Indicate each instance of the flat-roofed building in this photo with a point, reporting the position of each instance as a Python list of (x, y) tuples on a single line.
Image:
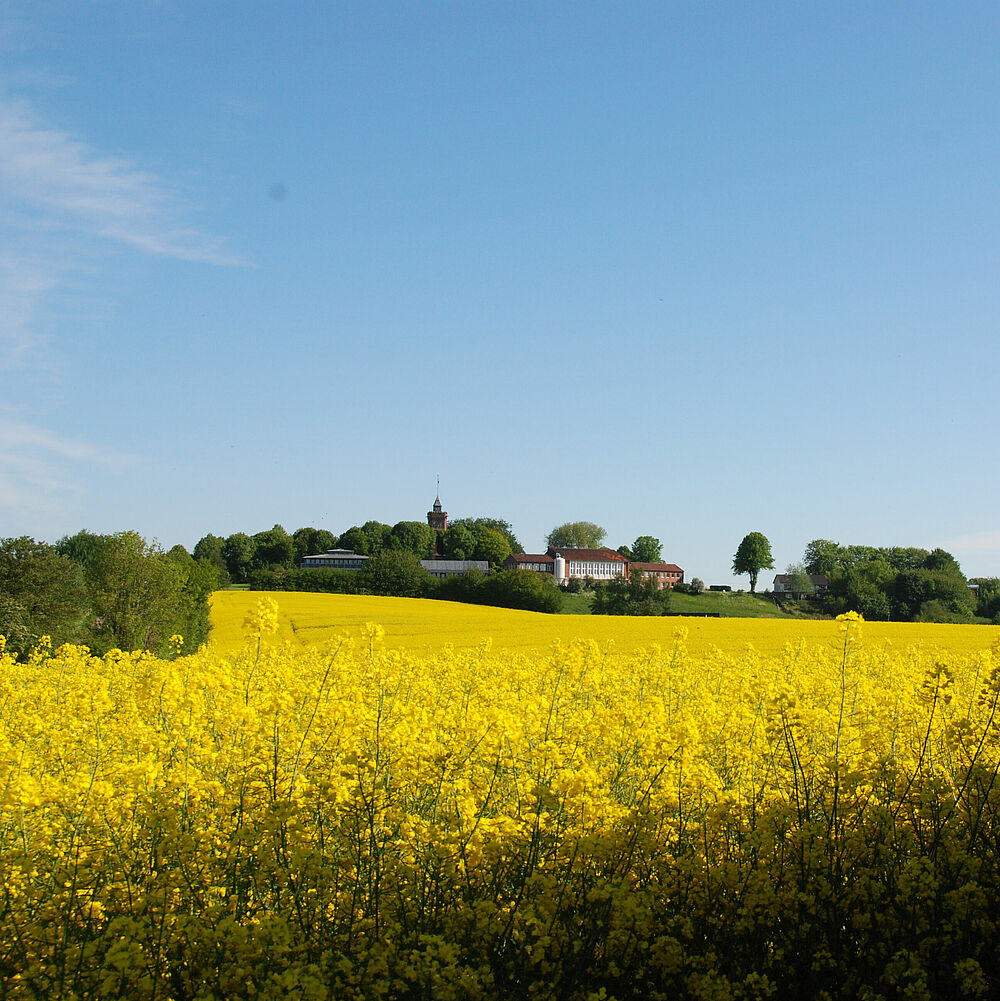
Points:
[(449, 568), (334, 559)]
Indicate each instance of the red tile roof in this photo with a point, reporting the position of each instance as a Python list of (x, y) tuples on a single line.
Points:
[(663, 567), (530, 558)]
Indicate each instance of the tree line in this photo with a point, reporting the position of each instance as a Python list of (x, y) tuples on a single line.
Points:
[(270, 561), (104, 591), (121, 591), (897, 583), (241, 558), (902, 584)]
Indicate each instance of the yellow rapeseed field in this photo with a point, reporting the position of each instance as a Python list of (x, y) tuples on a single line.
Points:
[(422, 625), (413, 812)]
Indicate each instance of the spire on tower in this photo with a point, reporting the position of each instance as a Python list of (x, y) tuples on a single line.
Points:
[(437, 518)]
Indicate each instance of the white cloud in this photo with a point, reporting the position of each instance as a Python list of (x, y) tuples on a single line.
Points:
[(974, 542), (37, 466), (59, 198), (23, 282), (71, 185)]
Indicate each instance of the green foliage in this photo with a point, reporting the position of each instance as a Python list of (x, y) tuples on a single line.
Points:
[(833, 560), (238, 551), (799, 582), (81, 548), (326, 580), (458, 542), (522, 589), (395, 572), (697, 585), (416, 537), (506, 589), (931, 596), (137, 594), (727, 605), (466, 587), (140, 596), (377, 533), (492, 546), (201, 580), (477, 539), (576, 535), (355, 540), (273, 548), (647, 549), (42, 593), (867, 597), (752, 556), (905, 584), (988, 597), (210, 548), (636, 596), (179, 555), (478, 525), (310, 542)]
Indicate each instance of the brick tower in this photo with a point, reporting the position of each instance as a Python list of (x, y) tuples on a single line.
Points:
[(436, 518)]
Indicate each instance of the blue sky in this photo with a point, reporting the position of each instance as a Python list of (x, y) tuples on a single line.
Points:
[(687, 270)]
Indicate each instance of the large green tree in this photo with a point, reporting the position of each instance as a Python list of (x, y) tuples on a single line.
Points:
[(209, 548), (137, 593), (415, 537), (273, 549), (367, 539), (647, 549), (752, 556), (311, 541), (576, 535), (479, 525), (354, 540), (395, 572), (42, 593), (458, 542), (81, 548), (238, 552), (491, 546)]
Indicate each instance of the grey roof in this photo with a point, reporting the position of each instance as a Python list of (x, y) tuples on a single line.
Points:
[(454, 566), (335, 554)]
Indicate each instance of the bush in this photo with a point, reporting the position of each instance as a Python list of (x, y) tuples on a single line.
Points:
[(636, 596), (395, 572), (525, 589), (321, 579)]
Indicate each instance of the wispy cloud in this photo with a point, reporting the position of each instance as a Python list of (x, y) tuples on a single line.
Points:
[(974, 542), (74, 186), (23, 282), (37, 466)]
